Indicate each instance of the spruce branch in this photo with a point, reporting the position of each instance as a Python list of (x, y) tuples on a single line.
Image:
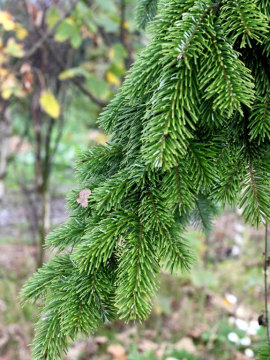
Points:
[(224, 77), (264, 351), (186, 134), (136, 286), (192, 33), (255, 196), (259, 123), (245, 22), (145, 12)]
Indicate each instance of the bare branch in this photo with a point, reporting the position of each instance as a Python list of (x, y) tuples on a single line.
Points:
[(46, 35), (75, 81), (123, 34)]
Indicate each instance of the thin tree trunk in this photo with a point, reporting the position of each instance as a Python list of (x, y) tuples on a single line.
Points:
[(124, 35), (44, 225), (5, 133), (38, 144)]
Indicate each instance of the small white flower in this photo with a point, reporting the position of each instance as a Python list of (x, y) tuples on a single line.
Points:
[(249, 353), (241, 324), (231, 320), (236, 250), (246, 341), (253, 328), (240, 312), (239, 227), (233, 337), (238, 239), (232, 299)]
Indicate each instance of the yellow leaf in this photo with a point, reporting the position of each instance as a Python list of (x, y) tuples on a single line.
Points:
[(126, 25), (158, 310), (70, 21), (72, 72), (6, 21), (113, 79), (8, 86), (49, 104), (111, 53), (21, 32), (14, 49), (69, 73), (3, 72), (6, 94), (66, 74), (52, 16), (226, 303)]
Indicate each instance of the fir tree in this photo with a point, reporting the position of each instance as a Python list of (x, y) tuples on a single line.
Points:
[(190, 129)]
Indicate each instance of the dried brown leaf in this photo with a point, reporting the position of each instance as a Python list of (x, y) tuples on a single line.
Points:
[(117, 351), (186, 344), (83, 196)]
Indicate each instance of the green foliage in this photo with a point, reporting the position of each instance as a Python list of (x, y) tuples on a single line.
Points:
[(146, 11), (181, 355), (204, 212), (75, 303), (185, 134), (244, 21), (137, 271), (136, 355), (260, 121), (264, 352), (226, 80), (68, 31)]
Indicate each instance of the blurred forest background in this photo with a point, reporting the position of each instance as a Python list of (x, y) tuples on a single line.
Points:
[(61, 62)]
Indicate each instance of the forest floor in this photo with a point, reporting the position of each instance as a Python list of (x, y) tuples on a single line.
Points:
[(210, 313)]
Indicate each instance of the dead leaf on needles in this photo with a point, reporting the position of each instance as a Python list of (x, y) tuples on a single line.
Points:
[(83, 196)]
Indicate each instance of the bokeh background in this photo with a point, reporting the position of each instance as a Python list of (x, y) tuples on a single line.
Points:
[(61, 62)]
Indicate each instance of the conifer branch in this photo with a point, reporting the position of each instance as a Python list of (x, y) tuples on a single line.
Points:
[(135, 286), (259, 122), (178, 184), (186, 134), (192, 34), (145, 12), (244, 19)]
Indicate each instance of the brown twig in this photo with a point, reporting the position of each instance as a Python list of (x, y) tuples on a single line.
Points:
[(75, 81), (46, 35), (105, 36), (123, 34)]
